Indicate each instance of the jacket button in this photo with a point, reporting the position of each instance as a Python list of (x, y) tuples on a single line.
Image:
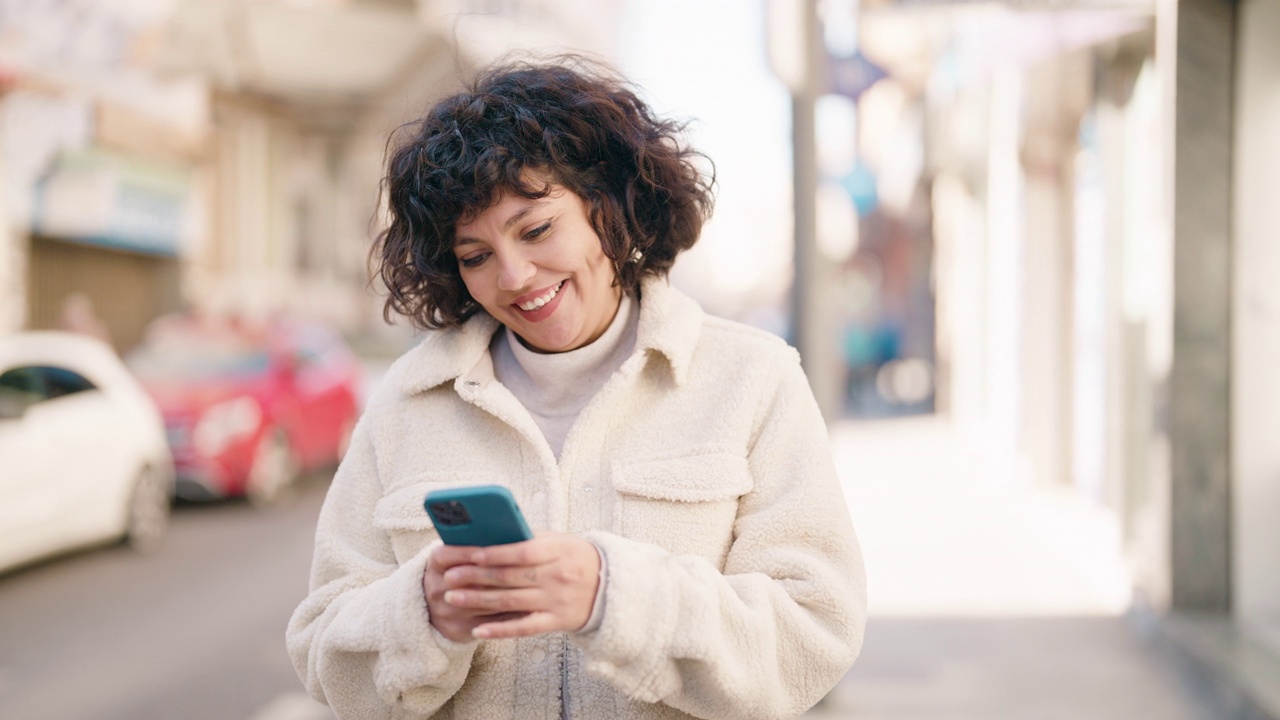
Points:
[(472, 384), (538, 655)]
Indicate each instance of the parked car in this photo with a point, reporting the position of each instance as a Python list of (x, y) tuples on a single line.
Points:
[(249, 410), (83, 457)]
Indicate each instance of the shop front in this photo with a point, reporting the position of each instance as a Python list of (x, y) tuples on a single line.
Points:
[(107, 237)]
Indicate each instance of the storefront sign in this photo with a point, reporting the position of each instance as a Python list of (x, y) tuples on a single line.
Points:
[(104, 199)]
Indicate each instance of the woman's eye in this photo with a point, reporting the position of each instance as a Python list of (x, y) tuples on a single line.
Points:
[(538, 231), (472, 260)]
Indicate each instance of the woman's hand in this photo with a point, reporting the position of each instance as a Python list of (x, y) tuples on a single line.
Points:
[(538, 586)]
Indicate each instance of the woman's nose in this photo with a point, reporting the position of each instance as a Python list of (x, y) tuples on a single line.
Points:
[(515, 272)]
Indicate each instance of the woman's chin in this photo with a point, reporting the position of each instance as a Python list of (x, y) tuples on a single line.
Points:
[(546, 342)]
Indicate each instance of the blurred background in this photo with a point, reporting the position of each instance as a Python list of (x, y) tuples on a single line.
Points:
[(1026, 249)]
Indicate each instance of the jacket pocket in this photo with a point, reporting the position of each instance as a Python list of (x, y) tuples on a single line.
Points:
[(401, 515), (685, 504)]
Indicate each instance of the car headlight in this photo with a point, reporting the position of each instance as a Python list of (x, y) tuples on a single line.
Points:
[(225, 423)]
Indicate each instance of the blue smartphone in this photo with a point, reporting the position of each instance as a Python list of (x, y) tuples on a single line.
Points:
[(478, 515)]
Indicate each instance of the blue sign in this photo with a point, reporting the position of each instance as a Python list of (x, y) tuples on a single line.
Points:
[(100, 198)]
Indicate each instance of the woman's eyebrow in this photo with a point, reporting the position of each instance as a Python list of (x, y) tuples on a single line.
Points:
[(505, 226), (519, 216)]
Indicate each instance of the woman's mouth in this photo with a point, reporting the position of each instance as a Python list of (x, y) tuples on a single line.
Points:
[(542, 299)]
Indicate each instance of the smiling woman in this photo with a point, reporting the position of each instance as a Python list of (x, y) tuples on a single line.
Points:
[(538, 267), (525, 131), (692, 553)]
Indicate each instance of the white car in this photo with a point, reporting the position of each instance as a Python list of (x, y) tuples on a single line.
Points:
[(83, 454)]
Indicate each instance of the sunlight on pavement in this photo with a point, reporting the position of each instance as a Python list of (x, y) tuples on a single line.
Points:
[(990, 596), (946, 531)]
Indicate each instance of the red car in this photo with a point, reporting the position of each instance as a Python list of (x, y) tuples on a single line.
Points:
[(247, 412)]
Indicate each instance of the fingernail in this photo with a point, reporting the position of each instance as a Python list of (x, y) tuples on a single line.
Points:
[(481, 632), (452, 596)]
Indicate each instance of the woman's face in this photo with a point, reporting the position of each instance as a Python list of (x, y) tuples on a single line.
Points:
[(538, 267)]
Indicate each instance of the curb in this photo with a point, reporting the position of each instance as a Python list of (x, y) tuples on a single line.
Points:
[(1232, 672)]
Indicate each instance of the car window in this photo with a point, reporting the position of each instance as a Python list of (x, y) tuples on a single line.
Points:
[(308, 356), (61, 381), (28, 380), (22, 387), (194, 354), (315, 345)]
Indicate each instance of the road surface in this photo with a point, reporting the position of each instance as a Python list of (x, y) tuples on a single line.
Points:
[(195, 632)]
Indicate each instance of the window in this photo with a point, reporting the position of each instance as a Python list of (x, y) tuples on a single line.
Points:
[(24, 380), (22, 387), (60, 381)]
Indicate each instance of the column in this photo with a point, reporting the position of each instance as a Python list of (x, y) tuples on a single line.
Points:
[(1203, 38)]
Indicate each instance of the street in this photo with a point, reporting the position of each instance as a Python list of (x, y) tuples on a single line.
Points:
[(194, 632), (987, 600)]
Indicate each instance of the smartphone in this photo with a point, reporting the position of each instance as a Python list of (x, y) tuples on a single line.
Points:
[(478, 515)]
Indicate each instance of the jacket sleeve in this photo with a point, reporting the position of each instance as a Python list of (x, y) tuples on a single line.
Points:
[(362, 641), (779, 627)]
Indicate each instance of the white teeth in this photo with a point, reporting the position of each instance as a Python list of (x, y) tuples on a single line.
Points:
[(536, 303)]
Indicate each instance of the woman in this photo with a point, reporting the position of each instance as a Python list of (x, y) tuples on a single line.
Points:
[(693, 556)]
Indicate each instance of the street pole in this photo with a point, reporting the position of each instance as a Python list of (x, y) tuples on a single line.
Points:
[(797, 57), (804, 173), (810, 329)]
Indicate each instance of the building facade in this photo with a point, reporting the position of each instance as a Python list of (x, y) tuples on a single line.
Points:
[(225, 157), (1106, 255), (102, 168)]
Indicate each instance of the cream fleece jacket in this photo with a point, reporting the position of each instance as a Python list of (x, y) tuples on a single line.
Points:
[(701, 470)]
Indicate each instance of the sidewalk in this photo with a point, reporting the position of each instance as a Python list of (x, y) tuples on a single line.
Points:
[(990, 599)]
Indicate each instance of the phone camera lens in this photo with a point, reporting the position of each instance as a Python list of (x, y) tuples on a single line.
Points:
[(451, 513)]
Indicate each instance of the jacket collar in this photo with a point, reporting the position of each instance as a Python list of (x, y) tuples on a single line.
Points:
[(670, 323)]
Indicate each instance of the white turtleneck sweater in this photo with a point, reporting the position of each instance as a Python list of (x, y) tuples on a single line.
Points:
[(555, 387)]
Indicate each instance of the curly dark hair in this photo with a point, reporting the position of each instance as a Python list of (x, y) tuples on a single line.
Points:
[(521, 127)]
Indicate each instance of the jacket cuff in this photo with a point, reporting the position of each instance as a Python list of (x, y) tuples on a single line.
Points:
[(624, 650), (421, 652)]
